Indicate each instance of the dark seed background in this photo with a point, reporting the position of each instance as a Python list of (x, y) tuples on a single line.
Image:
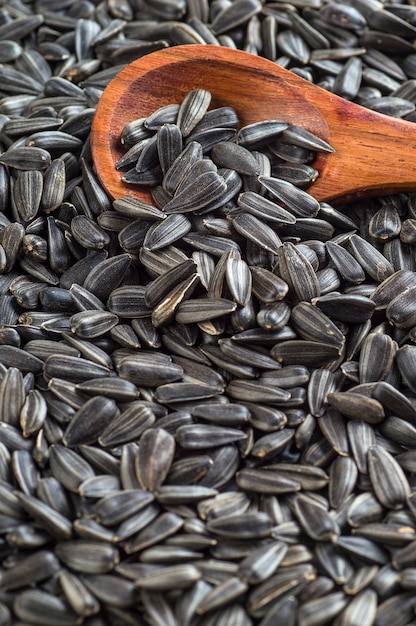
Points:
[(168, 459)]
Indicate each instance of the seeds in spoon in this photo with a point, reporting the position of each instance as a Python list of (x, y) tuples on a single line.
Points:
[(213, 152)]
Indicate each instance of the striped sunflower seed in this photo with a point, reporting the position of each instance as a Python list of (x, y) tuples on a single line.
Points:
[(388, 479), (154, 458), (91, 324), (87, 557), (40, 565), (297, 272), (263, 208), (297, 200), (82, 428), (252, 228), (372, 261), (42, 607), (115, 508), (82, 602), (192, 110)]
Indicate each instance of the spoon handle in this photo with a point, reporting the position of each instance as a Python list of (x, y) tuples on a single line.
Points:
[(374, 153)]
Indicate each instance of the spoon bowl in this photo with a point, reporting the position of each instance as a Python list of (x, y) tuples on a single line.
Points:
[(374, 154)]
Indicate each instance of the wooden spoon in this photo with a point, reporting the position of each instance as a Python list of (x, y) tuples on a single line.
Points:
[(374, 154)]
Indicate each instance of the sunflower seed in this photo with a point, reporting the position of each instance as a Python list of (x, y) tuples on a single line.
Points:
[(393, 490), (372, 261), (148, 372), (43, 607), (69, 467), (87, 557), (208, 188), (265, 595), (77, 595), (326, 608), (252, 228), (297, 272), (36, 567), (151, 470), (53, 521), (82, 428), (166, 232)]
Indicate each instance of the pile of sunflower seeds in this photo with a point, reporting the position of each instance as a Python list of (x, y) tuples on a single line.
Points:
[(207, 418)]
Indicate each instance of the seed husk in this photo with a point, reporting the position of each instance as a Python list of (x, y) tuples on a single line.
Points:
[(400, 311), (239, 279), (404, 358), (311, 613), (54, 522), (222, 595), (164, 526), (264, 596), (264, 209), (114, 508), (298, 201), (41, 607), (192, 110), (129, 425), (300, 137), (250, 226), (352, 405), (314, 519), (69, 467), (343, 477), (106, 276), (297, 272), (154, 458), (268, 287), (26, 158), (263, 481), (166, 232), (89, 421), (202, 310), (388, 479), (311, 324), (77, 595), (314, 353), (207, 436), (236, 157), (310, 478), (147, 371), (372, 261), (262, 563), (208, 188), (258, 133), (90, 324), (87, 557), (349, 308), (36, 567)]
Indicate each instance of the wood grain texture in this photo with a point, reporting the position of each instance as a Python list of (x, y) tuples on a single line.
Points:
[(375, 154)]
